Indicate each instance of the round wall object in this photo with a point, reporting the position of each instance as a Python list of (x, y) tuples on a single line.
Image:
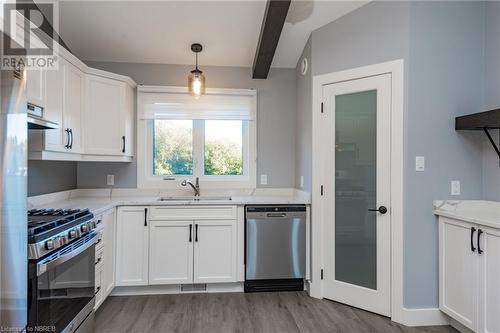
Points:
[(303, 66)]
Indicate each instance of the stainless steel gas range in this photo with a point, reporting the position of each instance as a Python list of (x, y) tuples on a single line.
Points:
[(61, 270)]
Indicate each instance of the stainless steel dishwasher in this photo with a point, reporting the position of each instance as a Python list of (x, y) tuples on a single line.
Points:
[(275, 248)]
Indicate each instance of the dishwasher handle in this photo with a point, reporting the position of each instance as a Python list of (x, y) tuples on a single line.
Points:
[(276, 214)]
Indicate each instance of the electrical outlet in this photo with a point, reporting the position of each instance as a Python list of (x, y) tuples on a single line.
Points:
[(419, 163), (455, 187), (301, 181), (263, 179), (110, 180)]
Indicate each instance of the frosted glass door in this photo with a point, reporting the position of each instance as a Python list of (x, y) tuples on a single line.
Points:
[(356, 188), (356, 149)]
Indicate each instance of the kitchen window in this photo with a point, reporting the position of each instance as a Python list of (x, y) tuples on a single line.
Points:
[(180, 137)]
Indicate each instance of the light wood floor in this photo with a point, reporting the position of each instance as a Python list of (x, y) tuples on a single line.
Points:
[(239, 312)]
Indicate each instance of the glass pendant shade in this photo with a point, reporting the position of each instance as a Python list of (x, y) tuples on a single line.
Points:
[(196, 83)]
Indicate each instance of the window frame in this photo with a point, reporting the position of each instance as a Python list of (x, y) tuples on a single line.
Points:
[(145, 177)]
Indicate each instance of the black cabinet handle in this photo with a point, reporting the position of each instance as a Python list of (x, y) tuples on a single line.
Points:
[(71, 137), (472, 231), (67, 138), (123, 149), (196, 232), (97, 291), (190, 233), (479, 233), (381, 210), (98, 261), (145, 217)]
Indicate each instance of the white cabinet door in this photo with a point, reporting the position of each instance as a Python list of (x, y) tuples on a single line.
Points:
[(109, 252), (74, 82), (215, 251), (171, 252), (55, 139), (102, 117), (458, 271), (489, 285), (99, 292), (35, 86), (132, 246), (127, 116)]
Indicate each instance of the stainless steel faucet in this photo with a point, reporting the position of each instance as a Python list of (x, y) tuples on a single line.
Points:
[(196, 187)]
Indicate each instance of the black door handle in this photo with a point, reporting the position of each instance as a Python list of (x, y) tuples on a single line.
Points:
[(196, 232), (472, 231), (67, 138), (123, 138), (381, 210), (71, 136), (145, 217), (190, 232), (479, 233)]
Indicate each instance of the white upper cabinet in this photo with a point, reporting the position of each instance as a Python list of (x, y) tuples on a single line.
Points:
[(74, 85), (103, 111), (108, 117), (94, 110), (35, 86), (55, 139)]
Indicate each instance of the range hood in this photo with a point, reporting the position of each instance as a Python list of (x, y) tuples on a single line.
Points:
[(36, 120)]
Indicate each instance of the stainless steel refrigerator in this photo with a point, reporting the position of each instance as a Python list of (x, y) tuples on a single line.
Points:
[(13, 196)]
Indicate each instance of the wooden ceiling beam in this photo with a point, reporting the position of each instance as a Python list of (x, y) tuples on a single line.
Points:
[(270, 32)]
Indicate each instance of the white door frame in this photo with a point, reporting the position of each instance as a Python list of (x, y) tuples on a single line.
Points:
[(396, 69)]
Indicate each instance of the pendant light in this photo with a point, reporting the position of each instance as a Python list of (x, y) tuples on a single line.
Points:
[(196, 80)]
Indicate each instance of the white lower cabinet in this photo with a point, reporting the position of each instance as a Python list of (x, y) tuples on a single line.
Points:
[(171, 252), (109, 222), (215, 251), (489, 282), (469, 274), (160, 246), (132, 246)]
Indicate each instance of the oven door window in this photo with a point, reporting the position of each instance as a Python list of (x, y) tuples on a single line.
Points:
[(64, 290)]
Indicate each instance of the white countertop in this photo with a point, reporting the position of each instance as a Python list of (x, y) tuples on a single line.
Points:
[(99, 201), (481, 212)]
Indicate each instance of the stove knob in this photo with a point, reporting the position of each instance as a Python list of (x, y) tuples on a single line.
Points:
[(84, 228), (94, 225), (72, 234), (49, 245)]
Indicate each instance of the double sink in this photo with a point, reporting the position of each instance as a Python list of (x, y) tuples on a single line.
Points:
[(200, 198)]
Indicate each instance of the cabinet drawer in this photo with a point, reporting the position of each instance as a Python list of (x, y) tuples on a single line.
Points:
[(99, 243), (99, 292), (193, 213), (99, 258)]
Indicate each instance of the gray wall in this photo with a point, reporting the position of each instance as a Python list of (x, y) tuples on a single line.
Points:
[(50, 176), (303, 145), (445, 81), (491, 169), (276, 119), (442, 44)]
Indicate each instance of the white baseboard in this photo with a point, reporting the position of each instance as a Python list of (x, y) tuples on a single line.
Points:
[(176, 289), (424, 317)]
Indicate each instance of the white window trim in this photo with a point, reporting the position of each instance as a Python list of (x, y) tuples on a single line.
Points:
[(144, 152)]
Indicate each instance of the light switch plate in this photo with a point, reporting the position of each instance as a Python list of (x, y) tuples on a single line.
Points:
[(419, 163), (455, 187), (301, 181), (263, 179), (110, 180)]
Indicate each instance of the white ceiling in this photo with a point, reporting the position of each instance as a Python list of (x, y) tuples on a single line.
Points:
[(162, 31)]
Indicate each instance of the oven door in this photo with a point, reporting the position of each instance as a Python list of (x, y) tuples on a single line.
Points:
[(61, 286)]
